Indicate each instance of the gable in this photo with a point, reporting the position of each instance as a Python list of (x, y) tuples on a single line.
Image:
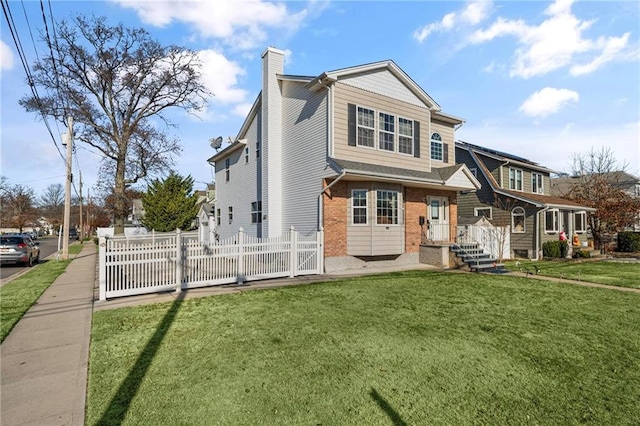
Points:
[(384, 83)]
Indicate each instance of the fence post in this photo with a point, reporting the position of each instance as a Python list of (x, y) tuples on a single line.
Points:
[(293, 257), (240, 273), (178, 261), (320, 248), (102, 267)]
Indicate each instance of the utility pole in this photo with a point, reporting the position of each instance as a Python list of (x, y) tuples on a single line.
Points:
[(81, 227), (67, 192), (88, 209)]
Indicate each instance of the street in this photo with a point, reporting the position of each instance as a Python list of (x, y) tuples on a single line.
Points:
[(48, 246)]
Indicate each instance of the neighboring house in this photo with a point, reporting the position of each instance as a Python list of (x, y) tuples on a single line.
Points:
[(630, 184), (516, 192), (363, 153), (137, 211), (206, 222)]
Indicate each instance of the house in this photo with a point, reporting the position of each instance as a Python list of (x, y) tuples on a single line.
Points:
[(206, 222), (626, 182), (516, 192), (362, 153)]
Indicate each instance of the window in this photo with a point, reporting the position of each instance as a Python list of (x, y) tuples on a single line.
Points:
[(482, 211), (366, 127), (405, 136), (474, 172), (218, 217), (246, 155), (515, 179), (386, 207), (258, 148), (581, 222), (256, 212), (227, 164), (230, 214), (359, 207), (436, 147), (537, 183), (387, 132), (551, 221), (517, 220)]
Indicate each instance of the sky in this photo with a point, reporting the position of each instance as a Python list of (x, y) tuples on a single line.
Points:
[(543, 80)]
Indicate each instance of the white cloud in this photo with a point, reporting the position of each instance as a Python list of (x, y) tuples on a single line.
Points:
[(242, 25), (6, 56), (548, 101), (220, 76), (473, 13), (555, 43)]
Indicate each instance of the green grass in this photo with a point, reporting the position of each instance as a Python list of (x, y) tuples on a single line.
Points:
[(406, 348), (610, 272), (17, 296)]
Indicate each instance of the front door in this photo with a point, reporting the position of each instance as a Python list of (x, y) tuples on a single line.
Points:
[(438, 216)]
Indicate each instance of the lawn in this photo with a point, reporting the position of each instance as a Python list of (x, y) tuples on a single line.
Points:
[(17, 296), (406, 348), (610, 272)]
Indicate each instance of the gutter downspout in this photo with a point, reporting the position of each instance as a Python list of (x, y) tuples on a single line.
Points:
[(539, 230)]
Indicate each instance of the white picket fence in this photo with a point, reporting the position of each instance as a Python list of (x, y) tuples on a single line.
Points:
[(179, 260)]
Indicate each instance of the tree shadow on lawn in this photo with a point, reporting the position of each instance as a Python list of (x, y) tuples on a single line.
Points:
[(388, 409), (119, 405)]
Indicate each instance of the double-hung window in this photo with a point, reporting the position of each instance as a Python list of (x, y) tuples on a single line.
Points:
[(387, 207), (218, 217), (515, 179), (359, 207), (386, 132), (246, 155), (366, 127), (256, 212), (258, 148), (537, 183), (580, 220), (551, 224), (230, 214), (227, 164), (405, 136), (436, 147)]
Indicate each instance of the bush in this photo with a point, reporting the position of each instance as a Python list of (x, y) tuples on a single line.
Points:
[(580, 254), (555, 249), (628, 241)]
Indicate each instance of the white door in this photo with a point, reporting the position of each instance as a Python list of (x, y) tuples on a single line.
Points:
[(438, 216)]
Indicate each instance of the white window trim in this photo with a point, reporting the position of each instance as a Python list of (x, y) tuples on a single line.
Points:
[(246, 155), (227, 169), (398, 212), (257, 212), (516, 172), (230, 214), (374, 128), (366, 207), (398, 135), (533, 179), (431, 141), (475, 211), (394, 133), (524, 220), (556, 212), (584, 222)]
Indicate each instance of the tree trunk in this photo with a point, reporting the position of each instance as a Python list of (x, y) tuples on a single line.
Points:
[(118, 190)]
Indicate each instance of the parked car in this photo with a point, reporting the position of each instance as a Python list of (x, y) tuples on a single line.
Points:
[(73, 234), (19, 248)]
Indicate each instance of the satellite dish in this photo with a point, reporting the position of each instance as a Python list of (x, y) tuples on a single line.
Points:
[(216, 143)]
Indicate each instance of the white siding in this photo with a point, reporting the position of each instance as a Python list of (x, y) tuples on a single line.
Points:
[(304, 152), (272, 64), (383, 83), (242, 189)]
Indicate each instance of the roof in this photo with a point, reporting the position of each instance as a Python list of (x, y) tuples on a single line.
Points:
[(437, 177), (502, 156), (207, 208), (538, 200), (620, 179)]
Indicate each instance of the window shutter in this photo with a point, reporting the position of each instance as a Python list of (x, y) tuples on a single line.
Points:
[(445, 152), (416, 139), (351, 138)]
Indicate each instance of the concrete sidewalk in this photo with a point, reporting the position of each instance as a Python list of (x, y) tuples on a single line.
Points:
[(45, 357)]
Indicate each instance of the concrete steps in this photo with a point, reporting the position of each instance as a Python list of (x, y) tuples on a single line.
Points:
[(475, 259)]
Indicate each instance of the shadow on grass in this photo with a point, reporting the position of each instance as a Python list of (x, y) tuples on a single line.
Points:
[(388, 409), (119, 405)]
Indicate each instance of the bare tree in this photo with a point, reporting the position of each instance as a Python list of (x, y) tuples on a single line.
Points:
[(594, 184), (51, 203), (118, 85), (17, 205)]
